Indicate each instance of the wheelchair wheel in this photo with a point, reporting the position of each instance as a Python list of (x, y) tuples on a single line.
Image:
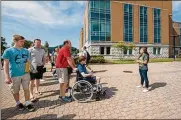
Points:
[(82, 91)]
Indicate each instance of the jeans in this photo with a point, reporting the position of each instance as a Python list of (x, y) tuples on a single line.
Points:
[(144, 77)]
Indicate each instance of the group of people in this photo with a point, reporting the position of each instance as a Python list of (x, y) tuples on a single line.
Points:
[(26, 67)]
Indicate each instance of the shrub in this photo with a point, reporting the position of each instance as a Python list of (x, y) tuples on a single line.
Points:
[(97, 59)]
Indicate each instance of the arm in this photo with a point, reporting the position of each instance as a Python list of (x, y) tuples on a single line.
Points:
[(86, 75), (71, 62), (44, 58), (6, 71)]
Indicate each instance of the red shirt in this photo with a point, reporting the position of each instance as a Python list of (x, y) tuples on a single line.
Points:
[(61, 61)]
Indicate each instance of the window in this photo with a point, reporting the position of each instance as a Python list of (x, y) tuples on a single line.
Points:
[(128, 23), (108, 50), (99, 20), (157, 25), (143, 25), (102, 50), (156, 51), (128, 52)]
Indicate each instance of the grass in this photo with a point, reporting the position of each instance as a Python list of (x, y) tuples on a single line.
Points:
[(134, 62)]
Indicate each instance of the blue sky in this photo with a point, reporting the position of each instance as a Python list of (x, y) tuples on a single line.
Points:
[(52, 21)]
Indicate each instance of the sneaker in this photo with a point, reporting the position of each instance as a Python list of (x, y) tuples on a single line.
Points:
[(139, 86), (42, 80), (145, 90), (30, 107), (20, 107), (65, 99)]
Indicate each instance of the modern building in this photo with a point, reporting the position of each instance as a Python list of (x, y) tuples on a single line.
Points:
[(177, 32), (144, 23)]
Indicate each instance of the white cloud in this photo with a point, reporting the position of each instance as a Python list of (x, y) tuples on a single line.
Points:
[(176, 6), (48, 13)]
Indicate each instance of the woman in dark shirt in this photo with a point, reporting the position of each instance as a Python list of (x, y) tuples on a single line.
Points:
[(143, 68)]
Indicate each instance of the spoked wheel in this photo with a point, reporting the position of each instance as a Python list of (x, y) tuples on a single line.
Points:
[(82, 91)]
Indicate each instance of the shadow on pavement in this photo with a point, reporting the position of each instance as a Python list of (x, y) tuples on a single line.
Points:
[(99, 71), (110, 92), (157, 85), (128, 71), (54, 116), (49, 83), (55, 92), (13, 111)]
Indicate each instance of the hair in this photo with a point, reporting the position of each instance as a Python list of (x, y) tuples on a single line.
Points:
[(66, 42), (37, 40), (17, 38), (82, 58), (85, 47), (145, 52)]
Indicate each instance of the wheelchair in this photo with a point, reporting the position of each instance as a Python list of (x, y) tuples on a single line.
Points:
[(83, 90)]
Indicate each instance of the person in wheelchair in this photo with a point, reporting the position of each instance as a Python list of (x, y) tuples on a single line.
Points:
[(88, 76)]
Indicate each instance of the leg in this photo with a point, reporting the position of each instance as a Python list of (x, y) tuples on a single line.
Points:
[(142, 77), (25, 84), (37, 83), (145, 76), (15, 88), (31, 86)]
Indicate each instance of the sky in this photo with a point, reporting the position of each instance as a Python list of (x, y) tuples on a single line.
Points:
[(52, 21)]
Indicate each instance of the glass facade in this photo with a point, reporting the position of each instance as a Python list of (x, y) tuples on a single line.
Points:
[(99, 20), (128, 23), (143, 24), (157, 25)]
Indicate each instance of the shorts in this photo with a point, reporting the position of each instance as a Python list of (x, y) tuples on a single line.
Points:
[(39, 74), (17, 81), (52, 64), (63, 75), (90, 79)]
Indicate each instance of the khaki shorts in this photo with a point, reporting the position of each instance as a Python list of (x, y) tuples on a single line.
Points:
[(17, 81), (62, 74)]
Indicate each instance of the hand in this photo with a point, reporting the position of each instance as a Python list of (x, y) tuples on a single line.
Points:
[(137, 61), (75, 69), (8, 80)]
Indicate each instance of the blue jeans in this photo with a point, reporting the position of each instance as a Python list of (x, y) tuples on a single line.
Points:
[(144, 77)]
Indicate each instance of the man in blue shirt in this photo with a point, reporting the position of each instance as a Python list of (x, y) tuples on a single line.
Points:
[(16, 71)]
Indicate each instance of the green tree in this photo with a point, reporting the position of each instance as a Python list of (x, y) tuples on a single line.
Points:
[(46, 46), (123, 46), (3, 44), (27, 44)]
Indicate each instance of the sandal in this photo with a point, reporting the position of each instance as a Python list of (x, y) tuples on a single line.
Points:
[(39, 93), (33, 100)]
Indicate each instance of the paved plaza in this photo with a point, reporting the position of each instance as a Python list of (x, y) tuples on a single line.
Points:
[(124, 100)]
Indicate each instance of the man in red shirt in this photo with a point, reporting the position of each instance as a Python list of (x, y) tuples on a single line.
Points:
[(64, 60)]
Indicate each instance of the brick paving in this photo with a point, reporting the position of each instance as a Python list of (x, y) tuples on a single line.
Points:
[(124, 100)]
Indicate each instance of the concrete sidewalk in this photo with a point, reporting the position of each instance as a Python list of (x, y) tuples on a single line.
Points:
[(124, 100)]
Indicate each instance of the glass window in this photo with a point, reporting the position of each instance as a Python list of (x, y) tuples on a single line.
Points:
[(94, 26), (102, 50), (159, 49), (130, 51), (128, 23), (99, 18), (157, 25), (125, 52), (108, 50), (143, 25), (154, 51)]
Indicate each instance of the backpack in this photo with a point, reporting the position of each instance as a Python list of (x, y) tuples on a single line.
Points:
[(88, 56)]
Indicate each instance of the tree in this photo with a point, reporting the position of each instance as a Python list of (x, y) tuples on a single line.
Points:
[(3, 44), (122, 46), (46, 46), (27, 44)]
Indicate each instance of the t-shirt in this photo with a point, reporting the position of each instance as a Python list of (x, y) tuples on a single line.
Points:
[(144, 57), (61, 61), (82, 68), (17, 60), (36, 57)]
